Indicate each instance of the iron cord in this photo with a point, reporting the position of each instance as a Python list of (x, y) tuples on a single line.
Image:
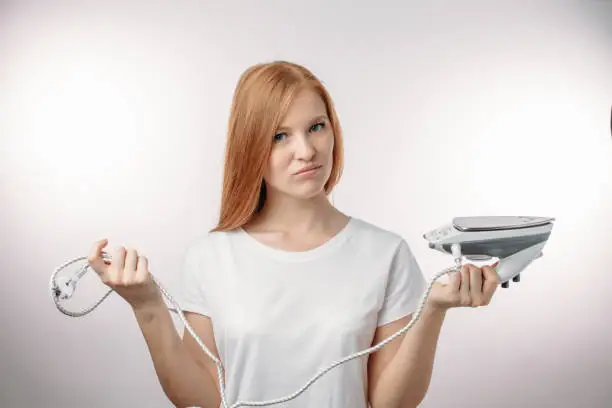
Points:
[(63, 289)]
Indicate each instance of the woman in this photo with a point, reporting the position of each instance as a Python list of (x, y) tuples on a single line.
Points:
[(286, 284)]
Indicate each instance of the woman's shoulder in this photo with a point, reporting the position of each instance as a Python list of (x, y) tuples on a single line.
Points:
[(377, 231), (207, 242)]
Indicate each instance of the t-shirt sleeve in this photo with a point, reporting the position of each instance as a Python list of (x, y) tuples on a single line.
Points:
[(188, 288), (405, 286)]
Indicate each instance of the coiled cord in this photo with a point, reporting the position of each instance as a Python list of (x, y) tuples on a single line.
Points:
[(63, 289)]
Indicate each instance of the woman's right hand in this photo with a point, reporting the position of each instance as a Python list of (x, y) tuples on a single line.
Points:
[(127, 274)]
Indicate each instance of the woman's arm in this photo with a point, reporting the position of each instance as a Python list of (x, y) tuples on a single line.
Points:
[(185, 381), (400, 372)]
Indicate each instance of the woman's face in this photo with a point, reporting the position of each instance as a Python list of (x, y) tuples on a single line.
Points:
[(304, 139)]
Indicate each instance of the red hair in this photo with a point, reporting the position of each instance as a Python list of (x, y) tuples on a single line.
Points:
[(261, 100)]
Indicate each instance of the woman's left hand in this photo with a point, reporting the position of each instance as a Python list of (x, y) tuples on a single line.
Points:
[(471, 287)]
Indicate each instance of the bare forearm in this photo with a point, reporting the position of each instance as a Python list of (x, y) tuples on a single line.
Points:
[(184, 382), (405, 381)]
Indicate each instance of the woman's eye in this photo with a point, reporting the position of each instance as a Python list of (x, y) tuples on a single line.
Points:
[(278, 137), (316, 127)]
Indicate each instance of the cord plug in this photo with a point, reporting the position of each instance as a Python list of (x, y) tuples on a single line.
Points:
[(64, 287)]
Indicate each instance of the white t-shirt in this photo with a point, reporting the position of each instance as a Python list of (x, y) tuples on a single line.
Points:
[(280, 316)]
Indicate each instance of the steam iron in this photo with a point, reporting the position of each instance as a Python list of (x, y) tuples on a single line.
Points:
[(515, 241)]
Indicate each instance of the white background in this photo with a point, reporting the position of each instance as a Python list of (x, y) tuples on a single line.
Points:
[(113, 121)]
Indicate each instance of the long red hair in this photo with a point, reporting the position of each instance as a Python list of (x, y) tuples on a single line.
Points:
[(261, 100)]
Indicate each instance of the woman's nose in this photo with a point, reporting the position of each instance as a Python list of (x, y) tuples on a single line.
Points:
[(304, 148)]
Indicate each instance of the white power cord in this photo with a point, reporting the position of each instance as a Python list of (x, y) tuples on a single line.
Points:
[(63, 289)]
